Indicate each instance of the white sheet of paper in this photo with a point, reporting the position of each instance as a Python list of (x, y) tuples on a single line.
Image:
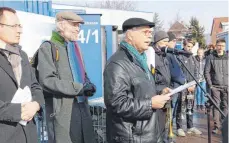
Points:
[(182, 87), (21, 96)]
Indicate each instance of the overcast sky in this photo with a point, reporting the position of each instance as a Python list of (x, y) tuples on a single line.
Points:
[(204, 11)]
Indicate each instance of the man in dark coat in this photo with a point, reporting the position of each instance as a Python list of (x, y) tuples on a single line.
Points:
[(129, 89), (177, 75), (216, 75), (162, 78), (15, 73)]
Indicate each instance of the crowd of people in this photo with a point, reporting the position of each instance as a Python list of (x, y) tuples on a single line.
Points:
[(137, 87)]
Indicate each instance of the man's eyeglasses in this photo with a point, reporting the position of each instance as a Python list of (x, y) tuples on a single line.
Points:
[(12, 26), (146, 32), (74, 24)]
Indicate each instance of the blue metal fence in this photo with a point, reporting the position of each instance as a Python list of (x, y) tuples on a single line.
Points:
[(43, 7)]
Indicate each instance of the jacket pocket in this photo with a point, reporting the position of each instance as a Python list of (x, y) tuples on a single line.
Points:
[(57, 105), (137, 128)]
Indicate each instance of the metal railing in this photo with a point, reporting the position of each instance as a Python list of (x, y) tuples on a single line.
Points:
[(99, 124)]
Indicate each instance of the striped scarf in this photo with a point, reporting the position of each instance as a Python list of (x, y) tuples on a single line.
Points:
[(76, 65)]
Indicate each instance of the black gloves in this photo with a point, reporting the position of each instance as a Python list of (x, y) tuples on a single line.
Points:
[(89, 89)]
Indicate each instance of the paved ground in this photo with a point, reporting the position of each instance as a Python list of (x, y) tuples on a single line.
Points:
[(200, 121)]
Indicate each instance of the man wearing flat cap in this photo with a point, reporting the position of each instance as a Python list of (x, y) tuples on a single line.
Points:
[(66, 86), (129, 89)]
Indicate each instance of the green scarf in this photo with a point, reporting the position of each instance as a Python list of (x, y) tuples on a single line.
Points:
[(57, 38), (141, 58)]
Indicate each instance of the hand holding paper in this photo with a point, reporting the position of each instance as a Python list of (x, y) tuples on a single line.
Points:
[(29, 109), (182, 87), (21, 96)]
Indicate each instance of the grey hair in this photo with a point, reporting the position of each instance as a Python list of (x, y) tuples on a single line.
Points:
[(57, 26), (123, 36)]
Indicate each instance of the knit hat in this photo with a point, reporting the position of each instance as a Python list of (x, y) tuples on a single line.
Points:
[(171, 36), (160, 35)]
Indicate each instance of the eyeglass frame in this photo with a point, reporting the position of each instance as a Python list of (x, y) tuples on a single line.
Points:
[(150, 32), (70, 22), (12, 26)]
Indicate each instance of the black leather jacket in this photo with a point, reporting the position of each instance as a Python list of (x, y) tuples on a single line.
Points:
[(127, 94)]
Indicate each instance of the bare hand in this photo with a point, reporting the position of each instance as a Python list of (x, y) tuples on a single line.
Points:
[(166, 91), (191, 89), (159, 101), (28, 110)]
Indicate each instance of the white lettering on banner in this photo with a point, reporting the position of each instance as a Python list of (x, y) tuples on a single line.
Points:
[(88, 35), (95, 34), (91, 23)]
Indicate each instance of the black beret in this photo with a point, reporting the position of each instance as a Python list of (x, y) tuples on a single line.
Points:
[(136, 22)]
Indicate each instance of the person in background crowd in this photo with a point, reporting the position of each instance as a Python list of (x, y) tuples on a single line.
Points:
[(177, 75), (216, 75), (200, 98), (191, 63), (162, 78), (210, 50)]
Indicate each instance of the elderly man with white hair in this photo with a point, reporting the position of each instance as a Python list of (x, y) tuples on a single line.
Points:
[(66, 86)]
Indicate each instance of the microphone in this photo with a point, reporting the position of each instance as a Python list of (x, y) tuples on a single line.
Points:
[(175, 51)]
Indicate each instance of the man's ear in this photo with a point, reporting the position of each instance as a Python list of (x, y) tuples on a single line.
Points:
[(129, 35), (60, 25)]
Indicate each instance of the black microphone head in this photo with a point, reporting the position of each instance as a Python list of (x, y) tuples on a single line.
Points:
[(164, 49), (183, 52), (175, 51)]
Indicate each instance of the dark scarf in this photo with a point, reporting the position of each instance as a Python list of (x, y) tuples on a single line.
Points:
[(159, 52)]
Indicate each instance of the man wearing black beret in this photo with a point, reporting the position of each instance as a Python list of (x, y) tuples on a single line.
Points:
[(129, 89)]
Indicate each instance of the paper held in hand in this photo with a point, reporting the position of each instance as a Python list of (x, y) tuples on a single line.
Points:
[(21, 96), (182, 87)]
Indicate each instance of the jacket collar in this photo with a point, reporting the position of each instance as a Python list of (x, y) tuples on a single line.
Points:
[(225, 54), (57, 38), (6, 66), (130, 55), (198, 59)]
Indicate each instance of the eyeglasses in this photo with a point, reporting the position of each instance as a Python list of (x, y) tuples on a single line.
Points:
[(220, 45), (12, 26), (146, 32), (74, 24)]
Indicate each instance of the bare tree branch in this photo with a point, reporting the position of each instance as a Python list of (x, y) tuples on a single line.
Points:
[(178, 17), (158, 22), (119, 5)]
